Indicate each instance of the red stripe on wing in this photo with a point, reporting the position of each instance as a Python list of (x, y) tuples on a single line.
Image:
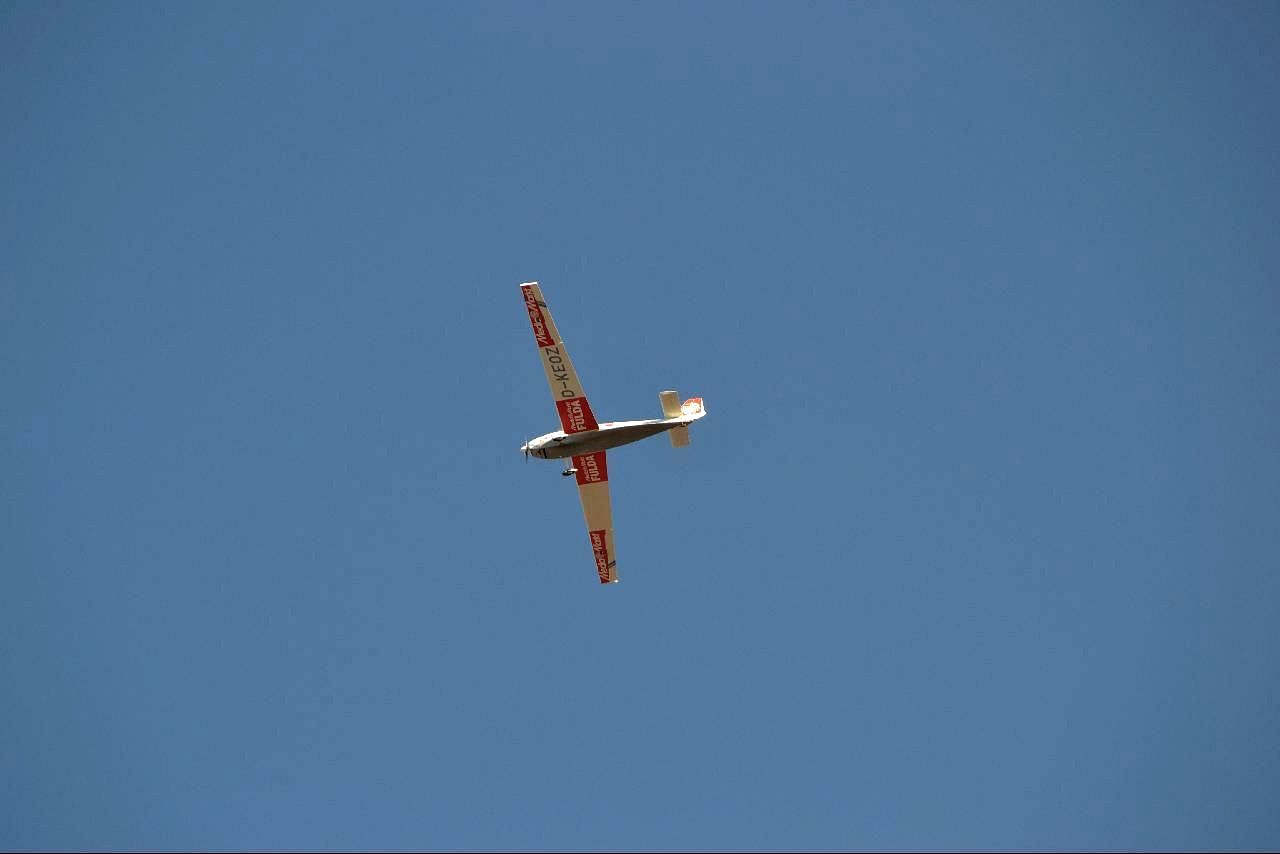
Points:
[(576, 415), (591, 468), (600, 548), (536, 320)]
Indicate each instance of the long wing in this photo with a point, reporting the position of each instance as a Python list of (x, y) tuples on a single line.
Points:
[(593, 489), (571, 401)]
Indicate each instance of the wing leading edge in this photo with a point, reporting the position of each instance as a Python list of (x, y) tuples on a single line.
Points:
[(571, 401), (593, 490)]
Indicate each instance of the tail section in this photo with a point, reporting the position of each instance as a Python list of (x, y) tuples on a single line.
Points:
[(685, 413), (691, 409)]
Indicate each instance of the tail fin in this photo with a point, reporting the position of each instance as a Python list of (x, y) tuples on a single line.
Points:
[(672, 408), (670, 403), (688, 412)]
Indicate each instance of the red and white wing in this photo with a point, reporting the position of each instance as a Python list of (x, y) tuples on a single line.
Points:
[(593, 489), (571, 401)]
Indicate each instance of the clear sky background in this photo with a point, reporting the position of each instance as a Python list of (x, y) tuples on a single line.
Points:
[(977, 547)]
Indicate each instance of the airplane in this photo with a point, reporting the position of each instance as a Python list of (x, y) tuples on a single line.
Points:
[(584, 440)]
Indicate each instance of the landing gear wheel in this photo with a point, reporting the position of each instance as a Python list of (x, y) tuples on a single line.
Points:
[(568, 472)]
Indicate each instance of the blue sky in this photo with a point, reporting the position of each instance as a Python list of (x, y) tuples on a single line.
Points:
[(975, 549)]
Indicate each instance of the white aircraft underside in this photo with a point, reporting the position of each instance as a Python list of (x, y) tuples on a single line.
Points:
[(584, 439), (612, 434)]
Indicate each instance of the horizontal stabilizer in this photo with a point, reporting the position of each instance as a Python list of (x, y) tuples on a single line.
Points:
[(679, 436), (670, 404)]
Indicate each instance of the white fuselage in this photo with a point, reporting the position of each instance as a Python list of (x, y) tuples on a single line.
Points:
[(612, 434)]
